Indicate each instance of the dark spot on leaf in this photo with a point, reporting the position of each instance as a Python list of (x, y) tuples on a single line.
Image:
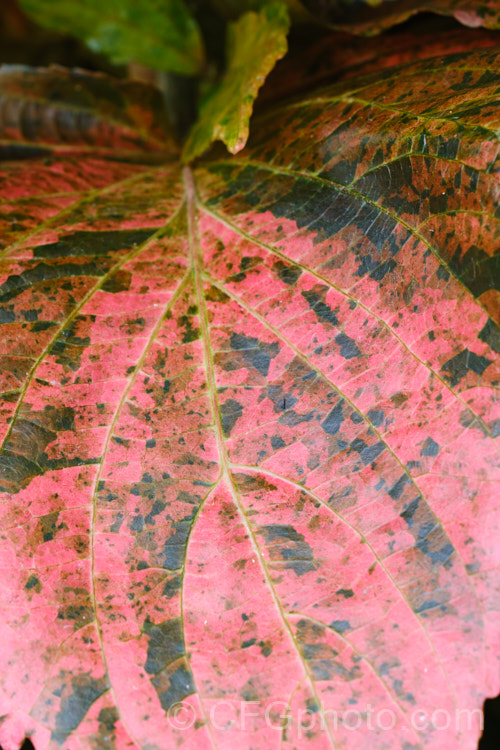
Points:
[(191, 333), (376, 417), (442, 273), (432, 542), (266, 648), (68, 347), (137, 523), (277, 442), (409, 511), (93, 243), (173, 686), (312, 706), (172, 587), (368, 453), (15, 285), (107, 719), (429, 604), (332, 423), (118, 282), (430, 448), (15, 151), (281, 400), (33, 583), (397, 489), (288, 274), (380, 272), (7, 315), (249, 691), (79, 614), (24, 454), (490, 334), (165, 644), (247, 644), (458, 366), (346, 593), (477, 270), (284, 543), (256, 354), (74, 706), (48, 526), (319, 307), (117, 523), (157, 508), (231, 410), (174, 549), (341, 626), (292, 418), (348, 347)]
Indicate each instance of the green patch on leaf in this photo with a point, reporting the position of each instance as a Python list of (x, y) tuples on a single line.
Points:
[(255, 42), (158, 33)]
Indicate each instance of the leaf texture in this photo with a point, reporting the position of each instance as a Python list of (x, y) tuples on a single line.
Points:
[(55, 109), (336, 56), (250, 421)]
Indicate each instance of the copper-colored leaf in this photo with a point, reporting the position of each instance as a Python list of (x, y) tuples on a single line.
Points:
[(54, 109), (340, 55), (370, 17), (250, 454), (373, 16)]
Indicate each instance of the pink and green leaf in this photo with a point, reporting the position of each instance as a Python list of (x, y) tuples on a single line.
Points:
[(250, 421)]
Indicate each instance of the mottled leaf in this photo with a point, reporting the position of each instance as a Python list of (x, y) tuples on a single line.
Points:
[(159, 33), (71, 110), (255, 42), (340, 55), (250, 422)]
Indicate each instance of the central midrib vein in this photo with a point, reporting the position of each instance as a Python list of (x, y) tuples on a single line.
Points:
[(223, 456)]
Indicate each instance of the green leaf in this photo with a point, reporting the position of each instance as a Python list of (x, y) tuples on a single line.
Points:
[(255, 42), (158, 33)]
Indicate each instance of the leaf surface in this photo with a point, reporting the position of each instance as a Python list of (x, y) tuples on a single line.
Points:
[(250, 431), (255, 42), (340, 55), (370, 17), (159, 33), (55, 109), (373, 16)]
